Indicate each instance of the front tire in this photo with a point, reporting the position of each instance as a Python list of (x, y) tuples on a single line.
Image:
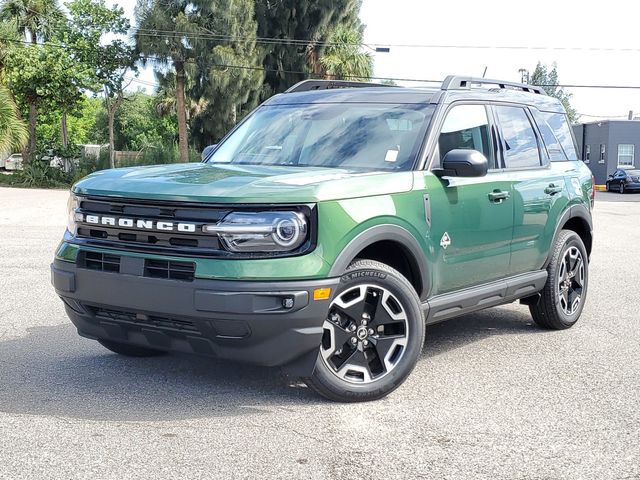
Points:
[(608, 187), (563, 296), (622, 188), (130, 350), (373, 335)]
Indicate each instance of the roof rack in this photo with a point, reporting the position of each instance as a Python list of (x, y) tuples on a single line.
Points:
[(453, 82), (309, 85)]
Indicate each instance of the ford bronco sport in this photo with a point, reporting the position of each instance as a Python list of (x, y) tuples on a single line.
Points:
[(331, 225)]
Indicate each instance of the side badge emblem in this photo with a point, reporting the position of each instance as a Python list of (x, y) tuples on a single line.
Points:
[(445, 241)]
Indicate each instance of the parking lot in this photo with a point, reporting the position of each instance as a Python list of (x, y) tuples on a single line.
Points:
[(493, 396)]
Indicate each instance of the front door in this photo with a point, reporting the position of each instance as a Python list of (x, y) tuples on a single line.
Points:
[(470, 219)]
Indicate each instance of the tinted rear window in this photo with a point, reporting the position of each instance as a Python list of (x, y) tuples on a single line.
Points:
[(560, 126)]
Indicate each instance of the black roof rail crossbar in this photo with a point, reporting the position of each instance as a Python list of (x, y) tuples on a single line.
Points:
[(453, 82), (309, 85)]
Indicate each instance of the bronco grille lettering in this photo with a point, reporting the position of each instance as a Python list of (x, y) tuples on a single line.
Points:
[(140, 224)]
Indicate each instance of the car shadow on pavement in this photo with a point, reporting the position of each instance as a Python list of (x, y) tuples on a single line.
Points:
[(52, 371), (474, 327)]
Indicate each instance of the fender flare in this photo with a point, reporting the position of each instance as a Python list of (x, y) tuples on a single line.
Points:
[(380, 233), (574, 211)]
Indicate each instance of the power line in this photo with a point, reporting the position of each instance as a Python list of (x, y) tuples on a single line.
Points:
[(311, 75), (305, 42)]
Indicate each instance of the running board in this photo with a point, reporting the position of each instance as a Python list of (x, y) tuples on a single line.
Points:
[(454, 304)]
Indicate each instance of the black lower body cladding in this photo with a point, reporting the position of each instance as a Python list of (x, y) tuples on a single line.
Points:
[(264, 323)]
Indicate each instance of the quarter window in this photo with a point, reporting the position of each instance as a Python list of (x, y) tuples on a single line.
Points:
[(520, 142), (466, 127), (560, 126), (626, 154)]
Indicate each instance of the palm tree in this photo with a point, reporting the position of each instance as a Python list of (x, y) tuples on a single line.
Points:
[(33, 19), (165, 37), (13, 131), (344, 58)]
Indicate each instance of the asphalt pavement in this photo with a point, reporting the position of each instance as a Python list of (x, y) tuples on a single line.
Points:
[(493, 396)]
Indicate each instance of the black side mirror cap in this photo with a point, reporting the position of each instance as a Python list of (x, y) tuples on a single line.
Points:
[(463, 163)]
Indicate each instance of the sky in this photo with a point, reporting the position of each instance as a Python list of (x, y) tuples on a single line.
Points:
[(571, 33)]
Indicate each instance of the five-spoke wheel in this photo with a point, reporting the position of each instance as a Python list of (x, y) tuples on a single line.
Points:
[(372, 336), (365, 334)]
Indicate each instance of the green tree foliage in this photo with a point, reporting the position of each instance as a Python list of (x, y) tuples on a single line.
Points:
[(223, 94), (110, 61), (168, 35), (307, 20), (548, 80), (138, 126), (43, 76), (344, 57), (33, 18), (81, 124), (13, 131)]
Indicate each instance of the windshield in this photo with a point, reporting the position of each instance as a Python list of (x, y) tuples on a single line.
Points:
[(350, 136)]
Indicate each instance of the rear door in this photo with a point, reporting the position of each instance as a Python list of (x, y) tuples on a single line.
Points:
[(538, 190)]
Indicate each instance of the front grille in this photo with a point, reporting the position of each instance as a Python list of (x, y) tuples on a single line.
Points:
[(170, 270), (103, 262), (143, 320), (149, 236)]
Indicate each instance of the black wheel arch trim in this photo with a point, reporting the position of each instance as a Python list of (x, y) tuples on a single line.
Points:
[(574, 211), (379, 233)]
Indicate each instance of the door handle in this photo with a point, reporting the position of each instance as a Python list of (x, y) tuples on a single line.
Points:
[(498, 196), (552, 189)]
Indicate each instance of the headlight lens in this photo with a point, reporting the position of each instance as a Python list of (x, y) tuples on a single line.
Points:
[(261, 231), (72, 206)]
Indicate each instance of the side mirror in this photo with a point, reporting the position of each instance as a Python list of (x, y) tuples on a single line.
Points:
[(463, 163), (206, 153)]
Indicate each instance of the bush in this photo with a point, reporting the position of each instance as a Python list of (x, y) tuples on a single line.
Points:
[(38, 174)]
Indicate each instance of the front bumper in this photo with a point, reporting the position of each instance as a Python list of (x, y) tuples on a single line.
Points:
[(265, 323)]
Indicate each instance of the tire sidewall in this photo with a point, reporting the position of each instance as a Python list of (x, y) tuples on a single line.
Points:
[(392, 281), (571, 240)]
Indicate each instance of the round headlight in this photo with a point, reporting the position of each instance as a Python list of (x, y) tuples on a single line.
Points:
[(287, 232)]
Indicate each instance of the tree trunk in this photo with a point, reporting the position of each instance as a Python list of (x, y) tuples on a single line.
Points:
[(64, 133), (181, 112), (33, 119), (112, 108)]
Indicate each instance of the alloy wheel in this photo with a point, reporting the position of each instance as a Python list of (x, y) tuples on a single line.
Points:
[(571, 280), (365, 334)]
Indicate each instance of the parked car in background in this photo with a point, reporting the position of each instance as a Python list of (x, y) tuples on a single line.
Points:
[(623, 180), (14, 162)]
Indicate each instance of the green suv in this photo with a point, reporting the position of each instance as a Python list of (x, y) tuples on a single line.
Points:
[(330, 226)]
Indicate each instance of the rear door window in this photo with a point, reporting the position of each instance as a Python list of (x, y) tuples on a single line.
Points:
[(520, 144)]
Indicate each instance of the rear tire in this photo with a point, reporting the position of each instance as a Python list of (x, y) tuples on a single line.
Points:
[(130, 350), (373, 335), (563, 296)]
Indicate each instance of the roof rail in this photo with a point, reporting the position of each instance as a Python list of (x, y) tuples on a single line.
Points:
[(453, 82), (309, 85)]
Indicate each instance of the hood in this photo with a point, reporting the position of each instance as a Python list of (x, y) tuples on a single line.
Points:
[(201, 182)]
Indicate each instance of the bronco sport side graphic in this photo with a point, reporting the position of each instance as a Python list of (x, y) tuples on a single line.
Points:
[(331, 225)]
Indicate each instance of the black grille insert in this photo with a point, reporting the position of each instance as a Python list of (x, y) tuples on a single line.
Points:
[(104, 262), (143, 320), (169, 270)]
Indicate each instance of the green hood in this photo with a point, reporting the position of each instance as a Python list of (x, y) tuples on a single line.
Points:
[(199, 182)]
